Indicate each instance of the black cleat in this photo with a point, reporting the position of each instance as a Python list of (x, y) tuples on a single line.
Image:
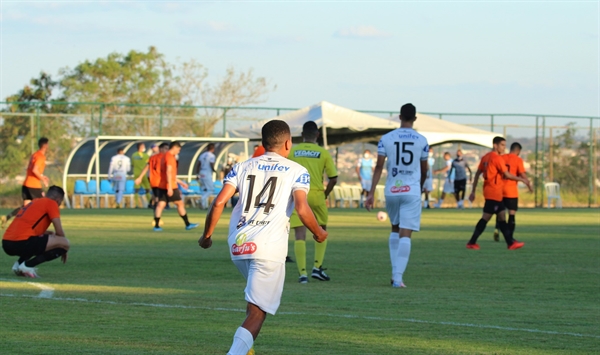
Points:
[(319, 274), (303, 279), (288, 259)]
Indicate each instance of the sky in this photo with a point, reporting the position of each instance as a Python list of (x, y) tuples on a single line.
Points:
[(538, 57)]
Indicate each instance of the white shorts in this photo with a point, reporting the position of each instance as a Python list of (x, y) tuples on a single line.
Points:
[(428, 185), (208, 185), (366, 184), (405, 211), (264, 282), (448, 186)]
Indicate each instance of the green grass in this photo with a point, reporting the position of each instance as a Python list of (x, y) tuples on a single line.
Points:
[(106, 297)]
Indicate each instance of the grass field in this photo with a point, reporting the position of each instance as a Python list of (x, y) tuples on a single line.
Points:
[(127, 290)]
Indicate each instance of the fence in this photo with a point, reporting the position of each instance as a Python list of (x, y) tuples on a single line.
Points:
[(556, 147)]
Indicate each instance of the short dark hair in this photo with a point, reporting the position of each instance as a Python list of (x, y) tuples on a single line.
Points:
[(498, 139), (447, 153), (163, 145), (140, 144), (174, 144), (42, 141), (274, 134), (408, 112), (55, 191), (310, 130), (210, 146), (515, 146), (120, 149)]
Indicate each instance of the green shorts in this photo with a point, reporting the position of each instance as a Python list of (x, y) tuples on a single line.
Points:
[(316, 201), (145, 184)]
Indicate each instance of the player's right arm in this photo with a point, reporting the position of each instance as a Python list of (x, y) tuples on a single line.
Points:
[(38, 174), (214, 213), (358, 171), (376, 176), (424, 168), (510, 176), (307, 216)]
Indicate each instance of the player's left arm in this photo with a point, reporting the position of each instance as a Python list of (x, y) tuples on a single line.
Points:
[(376, 176), (332, 174), (214, 213), (183, 183), (424, 168)]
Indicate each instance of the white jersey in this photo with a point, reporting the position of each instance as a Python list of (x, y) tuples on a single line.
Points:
[(260, 222), (404, 149), (205, 160), (120, 165)]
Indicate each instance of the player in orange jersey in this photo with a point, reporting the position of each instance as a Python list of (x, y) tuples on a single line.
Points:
[(168, 190), (32, 186), (153, 167), (494, 172), (514, 164), (28, 236)]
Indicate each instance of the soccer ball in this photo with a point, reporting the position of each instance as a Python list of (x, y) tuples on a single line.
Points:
[(382, 216), (160, 223)]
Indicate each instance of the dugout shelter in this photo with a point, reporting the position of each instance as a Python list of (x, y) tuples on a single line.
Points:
[(340, 125), (90, 159)]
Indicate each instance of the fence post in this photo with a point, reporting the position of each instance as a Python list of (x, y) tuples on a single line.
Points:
[(100, 119), (543, 156), (92, 122), (591, 166), (535, 180), (31, 132), (160, 122), (224, 122), (37, 122), (492, 123)]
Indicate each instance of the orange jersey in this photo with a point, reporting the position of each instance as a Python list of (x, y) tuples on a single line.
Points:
[(493, 168), (514, 165), (168, 160), (259, 151), (154, 167), (32, 220), (38, 160)]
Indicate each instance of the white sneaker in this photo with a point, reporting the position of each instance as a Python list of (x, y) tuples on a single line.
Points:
[(16, 270), (28, 271), (437, 205)]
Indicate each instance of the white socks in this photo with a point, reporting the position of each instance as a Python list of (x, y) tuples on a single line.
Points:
[(242, 342), (394, 241), (401, 258)]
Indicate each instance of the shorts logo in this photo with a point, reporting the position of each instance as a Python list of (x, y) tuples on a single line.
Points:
[(241, 247)]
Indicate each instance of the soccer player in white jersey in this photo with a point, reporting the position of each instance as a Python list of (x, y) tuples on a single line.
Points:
[(120, 165), (270, 186), (205, 170), (406, 152), (364, 170)]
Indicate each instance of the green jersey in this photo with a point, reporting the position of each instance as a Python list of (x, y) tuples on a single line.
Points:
[(316, 160), (139, 162)]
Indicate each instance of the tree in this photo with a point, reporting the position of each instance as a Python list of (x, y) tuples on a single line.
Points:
[(571, 160), (17, 133), (146, 78)]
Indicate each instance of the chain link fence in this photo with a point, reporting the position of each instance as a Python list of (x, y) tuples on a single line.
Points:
[(556, 148)]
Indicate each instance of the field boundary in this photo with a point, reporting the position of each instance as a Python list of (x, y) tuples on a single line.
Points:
[(46, 294)]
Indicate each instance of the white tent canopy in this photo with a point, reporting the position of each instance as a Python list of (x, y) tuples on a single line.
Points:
[(341, 125)]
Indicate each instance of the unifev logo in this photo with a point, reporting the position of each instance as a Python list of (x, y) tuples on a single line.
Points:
[(241, 247), (399, 188)]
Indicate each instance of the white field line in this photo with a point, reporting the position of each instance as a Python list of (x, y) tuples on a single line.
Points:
[(47, 291), (330, 315)]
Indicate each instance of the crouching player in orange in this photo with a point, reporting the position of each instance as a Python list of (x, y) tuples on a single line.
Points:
[(28, 236)]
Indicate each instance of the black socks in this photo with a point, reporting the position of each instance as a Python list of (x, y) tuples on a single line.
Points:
[(479, 228), (47, 256)]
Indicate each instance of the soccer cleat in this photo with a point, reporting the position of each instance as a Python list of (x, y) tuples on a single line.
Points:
[(473, 246), (288, 259), (516, 245), (303, 279), (398, 285), (16, 270), (157, 229), (319, 274), (191, 226), (496, 236), (28, 271), (3, 221)]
